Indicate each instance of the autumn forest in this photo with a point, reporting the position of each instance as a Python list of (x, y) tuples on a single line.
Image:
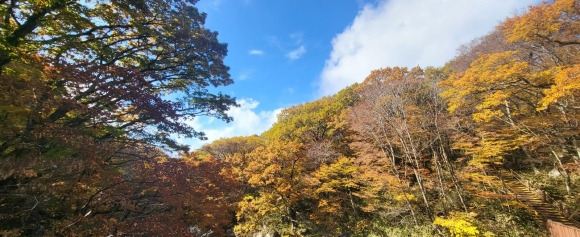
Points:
[(94, 92)]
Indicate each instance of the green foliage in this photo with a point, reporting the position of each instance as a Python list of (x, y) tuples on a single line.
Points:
[(316, 121)]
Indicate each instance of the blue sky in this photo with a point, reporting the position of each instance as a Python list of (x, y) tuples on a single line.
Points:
[(287, 52)]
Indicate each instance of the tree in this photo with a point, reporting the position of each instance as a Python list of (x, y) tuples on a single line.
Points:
[(305, 138), (119, 60), (320, 124), (87, 89), (394, 95), (224, 148), (348, 197), (276, 172), (524, 98), (197, 194)]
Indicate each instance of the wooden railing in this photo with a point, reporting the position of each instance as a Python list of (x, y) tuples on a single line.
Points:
[(550, 215), (546, 197), (558, 229)]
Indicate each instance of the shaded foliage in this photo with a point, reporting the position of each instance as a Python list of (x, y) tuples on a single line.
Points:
[(89, 93)]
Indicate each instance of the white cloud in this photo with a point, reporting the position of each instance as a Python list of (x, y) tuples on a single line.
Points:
[(245, 74), (297, 53), (247, 121), (409, 33), (256, 52), (297, 37)]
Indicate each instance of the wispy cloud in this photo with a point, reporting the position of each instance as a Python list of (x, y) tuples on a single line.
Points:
[(245, 74), (297, 53), (297, 40), (408, 33), (297, 37), (274, 42), (293, 46), (255, 52)]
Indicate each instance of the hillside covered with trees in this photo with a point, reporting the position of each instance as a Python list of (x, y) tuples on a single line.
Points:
[(93, 92)]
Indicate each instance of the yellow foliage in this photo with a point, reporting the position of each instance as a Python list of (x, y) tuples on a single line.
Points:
[(258, 212), (566, 83), (489, 149), (162, 160), (480, 178), (489, 77), (459, 224), (408, 196), (486, 115), (146, 165), (337, 176), (554, 21)]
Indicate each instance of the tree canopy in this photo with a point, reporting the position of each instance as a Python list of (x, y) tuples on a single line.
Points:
[(93, 92), (90, 91), (142, 66)]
